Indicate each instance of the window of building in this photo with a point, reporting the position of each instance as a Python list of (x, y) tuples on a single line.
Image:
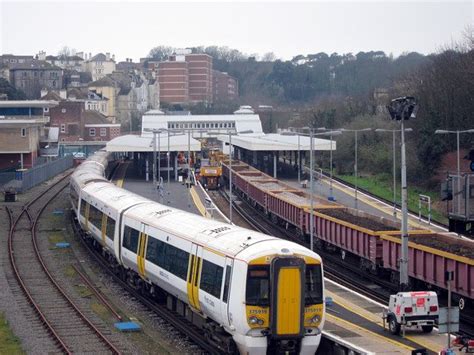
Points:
[(46, 109), (63, 110), (54, 83), (24, 74), (168, 257), (63, 128), (92, 132), (103, 132), (23, 132), (211, 278), (110, 231), (130, 239)]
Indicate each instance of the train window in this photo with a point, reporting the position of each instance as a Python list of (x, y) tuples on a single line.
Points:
[(74, 197), (258, 286), (228, 271), (95, 217), (130, 239), (211, 278), (167, 257), (313, 285), (110, 231), (83, 207)]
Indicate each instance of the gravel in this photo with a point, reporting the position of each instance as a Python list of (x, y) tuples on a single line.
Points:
[(156, 336), (448, 243), (364, 222)]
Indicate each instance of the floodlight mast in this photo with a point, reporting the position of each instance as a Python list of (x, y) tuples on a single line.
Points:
[(401, 109)]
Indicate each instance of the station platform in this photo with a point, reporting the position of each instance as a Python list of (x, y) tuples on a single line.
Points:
[(345, 196), (174, 193), (358, 320)]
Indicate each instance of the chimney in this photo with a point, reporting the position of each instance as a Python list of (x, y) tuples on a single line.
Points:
[(113, 57), (42, 55), (63, 94), (44, 92), (107, 56), (90, 55)]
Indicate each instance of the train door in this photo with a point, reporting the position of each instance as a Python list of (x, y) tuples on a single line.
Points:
[(287, 298), (141, 251), (226, 290), (194, 275)]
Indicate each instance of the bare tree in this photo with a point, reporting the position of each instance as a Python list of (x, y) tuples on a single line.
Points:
[(269, 57), (161, 52)]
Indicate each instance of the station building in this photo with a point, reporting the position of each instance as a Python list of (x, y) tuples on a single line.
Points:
[(242, 130)]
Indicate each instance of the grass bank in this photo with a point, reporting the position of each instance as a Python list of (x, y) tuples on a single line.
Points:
[(382, 186), (9, 343)]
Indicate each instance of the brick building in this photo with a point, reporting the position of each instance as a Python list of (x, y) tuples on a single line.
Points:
[(186, 78), (174, 82), (225, 87), (76, 124)]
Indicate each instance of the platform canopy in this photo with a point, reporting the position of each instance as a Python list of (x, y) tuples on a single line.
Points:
[(277, 142), (135, 143)]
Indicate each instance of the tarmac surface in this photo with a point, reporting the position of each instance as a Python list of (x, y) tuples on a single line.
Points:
[(174, 193)]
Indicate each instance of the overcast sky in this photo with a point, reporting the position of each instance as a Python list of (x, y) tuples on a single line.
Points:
[(286, 28)]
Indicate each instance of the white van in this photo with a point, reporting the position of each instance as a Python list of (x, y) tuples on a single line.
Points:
[(410, 309)]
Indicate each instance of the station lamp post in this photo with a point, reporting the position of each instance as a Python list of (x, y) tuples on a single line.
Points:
[(458, 133), (401, 109), (155, 133), (230, 133), (394, 131), (311, 135), (356, 131)]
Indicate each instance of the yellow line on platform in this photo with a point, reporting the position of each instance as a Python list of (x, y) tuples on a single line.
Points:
[(197, 202), (361, 312), (358, 327)]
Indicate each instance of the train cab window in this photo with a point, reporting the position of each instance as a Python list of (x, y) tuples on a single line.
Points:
[(211, 278), (95, 217), (313, 285), (110, 231), (258, 286), (130, 239), (228, 271), (83, 207)]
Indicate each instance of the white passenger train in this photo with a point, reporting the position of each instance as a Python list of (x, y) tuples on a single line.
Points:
[(249, 292)]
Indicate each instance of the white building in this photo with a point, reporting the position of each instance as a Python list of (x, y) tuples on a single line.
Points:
[(99, 65), (243, 120)]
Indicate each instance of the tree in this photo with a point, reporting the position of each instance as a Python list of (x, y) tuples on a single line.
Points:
[(11, 92), (161, 52), (65, 52)]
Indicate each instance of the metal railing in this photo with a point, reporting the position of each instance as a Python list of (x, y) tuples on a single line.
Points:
[(20, 181)]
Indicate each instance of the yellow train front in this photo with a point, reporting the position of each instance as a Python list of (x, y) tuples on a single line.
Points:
[(283, 299)]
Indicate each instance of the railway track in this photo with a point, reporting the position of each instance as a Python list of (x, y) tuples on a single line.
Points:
[(335, 268), (159, 308), (70, 330)]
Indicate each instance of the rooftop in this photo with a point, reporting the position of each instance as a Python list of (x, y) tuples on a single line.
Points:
[(28, 103)]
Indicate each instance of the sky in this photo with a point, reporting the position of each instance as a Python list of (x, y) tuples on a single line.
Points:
[(130, 29)]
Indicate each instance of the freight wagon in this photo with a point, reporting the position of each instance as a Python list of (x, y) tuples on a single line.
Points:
[(431, 255), (373, 242)]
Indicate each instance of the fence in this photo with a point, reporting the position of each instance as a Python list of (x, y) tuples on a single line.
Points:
[(36, 175)]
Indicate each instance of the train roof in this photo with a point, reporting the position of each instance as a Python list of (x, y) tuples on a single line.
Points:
[(214, 235), (114, 197)]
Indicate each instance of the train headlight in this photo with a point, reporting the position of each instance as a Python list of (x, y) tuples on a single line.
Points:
[(315, 319), (254, 320)]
